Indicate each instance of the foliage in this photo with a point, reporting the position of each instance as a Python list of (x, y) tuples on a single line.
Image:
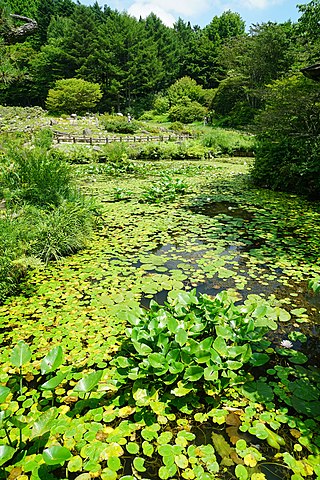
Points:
[(118, 124), (187, 111), (35, 176), (73, 95), (44, 217), (75, 154), (288, 145), (222, 141), (165, 190), (184, 88), (192, 344), (182, 367)]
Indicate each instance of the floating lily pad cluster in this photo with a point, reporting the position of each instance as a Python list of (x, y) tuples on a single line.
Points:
[(261, 247)]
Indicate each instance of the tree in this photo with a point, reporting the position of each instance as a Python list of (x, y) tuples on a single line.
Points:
[(308, 29), (73, 95), (252, 62), (287, 156)]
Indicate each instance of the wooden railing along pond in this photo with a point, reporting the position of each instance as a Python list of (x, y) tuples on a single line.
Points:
[(68, 138)]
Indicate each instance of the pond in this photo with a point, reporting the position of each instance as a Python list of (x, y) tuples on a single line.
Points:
[(222, 234)]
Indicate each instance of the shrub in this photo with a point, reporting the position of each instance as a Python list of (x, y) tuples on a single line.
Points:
[(184, 88), (187, 111), (161, 104), (227, 142), (78, 154), (73, 95), (118, 124), (165, 190)]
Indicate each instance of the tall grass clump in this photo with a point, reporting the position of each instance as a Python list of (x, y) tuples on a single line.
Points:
[(43, 217), (35, 176), (228, 142)]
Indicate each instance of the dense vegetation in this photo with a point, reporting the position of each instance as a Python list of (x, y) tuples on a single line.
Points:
[(184, 73), (159, 312)]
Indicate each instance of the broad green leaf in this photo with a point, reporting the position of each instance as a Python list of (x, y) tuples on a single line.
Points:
[(211, 373), (114, 463), (52, 361), (53, 382), (258, 359), (4, 392), (6, 453), (147, 448), (108, 474), (21, 354), (157, 360), (220, 346), (56, 455), (193, 374), (181, 461), (89, 382), (297, 357), (172, 324), (44, 423), (258, 391), (167, 471), (181, 336)]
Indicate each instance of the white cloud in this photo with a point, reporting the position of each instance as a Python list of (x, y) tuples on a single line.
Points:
[(258, 4), (169, 10), (140, 9)]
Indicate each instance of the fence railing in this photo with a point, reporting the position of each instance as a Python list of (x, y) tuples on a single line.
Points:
[(69, 138)]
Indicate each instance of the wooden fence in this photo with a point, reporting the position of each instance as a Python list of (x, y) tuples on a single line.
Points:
[(68, 138)]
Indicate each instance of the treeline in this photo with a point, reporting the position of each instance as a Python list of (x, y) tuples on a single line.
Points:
[(240, 79)]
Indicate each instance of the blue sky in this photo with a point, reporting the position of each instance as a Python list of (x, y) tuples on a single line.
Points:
[(200, 12)]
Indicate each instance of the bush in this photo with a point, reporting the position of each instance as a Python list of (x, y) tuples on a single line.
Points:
[(73, 95), (187, 111), (118, 124), (165, 190), (227, 142), (31, 236), (288, 164), (75, 154)]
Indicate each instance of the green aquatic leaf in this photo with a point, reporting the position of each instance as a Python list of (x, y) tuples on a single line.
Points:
[(75, 464), (53, 382), (56, 455), (21, 354), (114, 463), (4, 392), (138, 464), (6, 453), (241, 472), (44, 423), (258, 359), (181, 336), (89, 382), (193, 374), (132, 448), (52, 361), (220, 346)]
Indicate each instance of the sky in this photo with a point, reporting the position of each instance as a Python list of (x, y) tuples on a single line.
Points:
[(201, 12)]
